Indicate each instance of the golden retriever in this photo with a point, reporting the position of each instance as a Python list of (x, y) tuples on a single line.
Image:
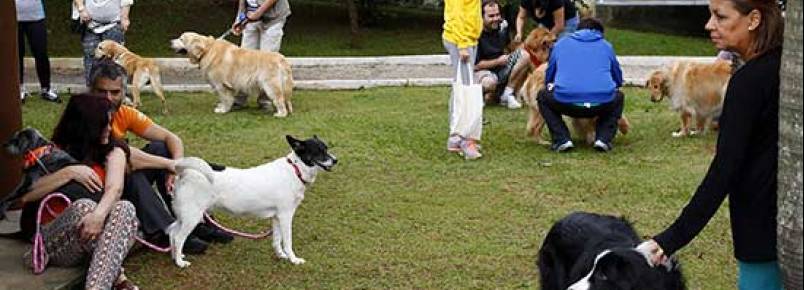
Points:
[(230, 70), (141, 70), (541, 41), (695, 91)]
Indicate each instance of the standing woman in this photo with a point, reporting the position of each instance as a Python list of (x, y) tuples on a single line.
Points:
[(99, 228), (745, 164), (31, 25), (462, 27)]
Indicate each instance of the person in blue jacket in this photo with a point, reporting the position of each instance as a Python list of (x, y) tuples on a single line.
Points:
[(583, 79)]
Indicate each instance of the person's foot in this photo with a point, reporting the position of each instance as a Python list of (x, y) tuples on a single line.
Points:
[(470, 149), (511, 102), (211, 234), (454, 143), (562, 147), (266, 107), (192, 246), (24, 95), (602, 146), (50, 95)]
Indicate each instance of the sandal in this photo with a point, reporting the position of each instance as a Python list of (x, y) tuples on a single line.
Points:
[(123, 283)]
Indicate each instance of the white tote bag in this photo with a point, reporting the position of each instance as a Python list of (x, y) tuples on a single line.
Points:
[(467, 106)]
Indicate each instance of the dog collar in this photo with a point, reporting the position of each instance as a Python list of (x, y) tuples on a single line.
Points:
[(533, 59), (32, 156), (297, 171)]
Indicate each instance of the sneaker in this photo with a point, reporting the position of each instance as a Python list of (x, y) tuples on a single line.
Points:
[(470, 150), (50, 95), (602, 146), (24, 95), (563, 147), (511, 102), (211, 234), (454, 143), (192, 246)]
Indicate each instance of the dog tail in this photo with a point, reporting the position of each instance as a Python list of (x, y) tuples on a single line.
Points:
[(197, 164)]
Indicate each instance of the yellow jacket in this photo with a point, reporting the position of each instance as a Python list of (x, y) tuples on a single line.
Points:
[(462, 22)]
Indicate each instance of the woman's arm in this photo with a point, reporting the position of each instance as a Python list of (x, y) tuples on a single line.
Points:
[(520, 23), (558, 20), (49, 183), (92, 223)]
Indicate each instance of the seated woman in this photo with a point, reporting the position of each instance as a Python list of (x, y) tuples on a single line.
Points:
[(99, 227)]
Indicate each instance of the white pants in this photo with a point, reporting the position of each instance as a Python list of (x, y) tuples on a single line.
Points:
[(263, 36)]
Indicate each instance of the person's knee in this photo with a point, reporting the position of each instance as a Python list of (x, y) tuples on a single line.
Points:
[(157, 148), (489, 84), (84, 206)]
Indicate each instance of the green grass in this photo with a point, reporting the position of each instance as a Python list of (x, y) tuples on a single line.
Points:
[(400, 212), (320, 29)]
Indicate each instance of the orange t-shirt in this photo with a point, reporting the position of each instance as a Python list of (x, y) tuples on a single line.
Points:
[(129, 119)]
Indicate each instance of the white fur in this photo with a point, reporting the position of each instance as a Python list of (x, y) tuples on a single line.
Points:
[(269, 191)]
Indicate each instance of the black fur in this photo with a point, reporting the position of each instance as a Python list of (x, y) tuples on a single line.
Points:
[(313, 152), (572, 244), (28, 139)]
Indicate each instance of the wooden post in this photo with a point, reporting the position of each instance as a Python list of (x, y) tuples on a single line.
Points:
[(10, 110)]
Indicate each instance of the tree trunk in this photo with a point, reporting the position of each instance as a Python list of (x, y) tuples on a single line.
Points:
[(10, 117), (790, 151), (354, 23)]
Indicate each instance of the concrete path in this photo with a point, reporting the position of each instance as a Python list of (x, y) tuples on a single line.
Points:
[(329, 73), (14, 275)]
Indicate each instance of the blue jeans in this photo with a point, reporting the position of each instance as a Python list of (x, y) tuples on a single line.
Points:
[(759, 276), (90, 40)]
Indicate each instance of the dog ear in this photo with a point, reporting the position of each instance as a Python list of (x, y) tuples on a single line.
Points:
[(294, 143)]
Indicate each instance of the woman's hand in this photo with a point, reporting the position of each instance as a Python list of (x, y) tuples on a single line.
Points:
[(463, 53), (91, 225), (653, 252), (125, 23), (86, 177)]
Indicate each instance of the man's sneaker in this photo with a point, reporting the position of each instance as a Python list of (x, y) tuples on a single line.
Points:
[(511, 102), (601, 146), (470, 150), (454, 143), (563, 147), (211, 234), (192, 246), (50, 96)]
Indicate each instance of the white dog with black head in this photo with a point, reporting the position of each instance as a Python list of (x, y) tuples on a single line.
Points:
[(270, 191)]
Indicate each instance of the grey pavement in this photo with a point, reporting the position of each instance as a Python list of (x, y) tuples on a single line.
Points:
[(332, 73)]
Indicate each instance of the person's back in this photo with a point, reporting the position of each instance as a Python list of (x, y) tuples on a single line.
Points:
[(584, 68)]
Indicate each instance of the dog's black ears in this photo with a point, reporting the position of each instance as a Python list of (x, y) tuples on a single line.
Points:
[(295, 144)]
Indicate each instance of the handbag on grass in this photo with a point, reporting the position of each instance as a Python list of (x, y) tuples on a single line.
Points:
[(467, 106)]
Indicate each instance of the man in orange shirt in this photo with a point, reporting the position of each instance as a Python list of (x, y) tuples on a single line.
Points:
[(108, 78)]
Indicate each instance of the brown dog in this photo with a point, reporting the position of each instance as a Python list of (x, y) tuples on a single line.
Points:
[(230, 69), (695, 91), (540, 41), (141, 70)]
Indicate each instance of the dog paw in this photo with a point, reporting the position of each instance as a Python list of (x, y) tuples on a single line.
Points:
[(220, 110), (297, 261), (282, 255), (678, 134), (182, 263), (280, 115)]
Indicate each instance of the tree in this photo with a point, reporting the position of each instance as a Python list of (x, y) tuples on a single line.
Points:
[(10, 116), (354, 23), (790, 151)]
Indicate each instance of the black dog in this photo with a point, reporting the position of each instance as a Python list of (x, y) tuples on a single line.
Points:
[(42, 157), (590, 251)]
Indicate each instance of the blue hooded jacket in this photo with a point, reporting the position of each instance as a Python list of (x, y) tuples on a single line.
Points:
[(584, 69)]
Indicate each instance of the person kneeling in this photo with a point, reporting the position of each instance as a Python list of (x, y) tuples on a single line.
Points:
[(583, 77)]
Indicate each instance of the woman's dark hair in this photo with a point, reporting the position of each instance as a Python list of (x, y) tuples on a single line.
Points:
[(590, 23), (770, 32), (80, 128)]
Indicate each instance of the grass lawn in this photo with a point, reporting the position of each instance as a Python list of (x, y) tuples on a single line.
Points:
[(400, 212), (320, 29)]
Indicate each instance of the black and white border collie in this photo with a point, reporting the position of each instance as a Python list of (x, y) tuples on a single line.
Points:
[(586, 251)]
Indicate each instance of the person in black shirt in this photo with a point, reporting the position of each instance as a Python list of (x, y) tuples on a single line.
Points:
[(495, 66), (745, 163), (560, 16)]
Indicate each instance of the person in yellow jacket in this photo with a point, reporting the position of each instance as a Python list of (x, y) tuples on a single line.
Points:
[(463, 24)]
